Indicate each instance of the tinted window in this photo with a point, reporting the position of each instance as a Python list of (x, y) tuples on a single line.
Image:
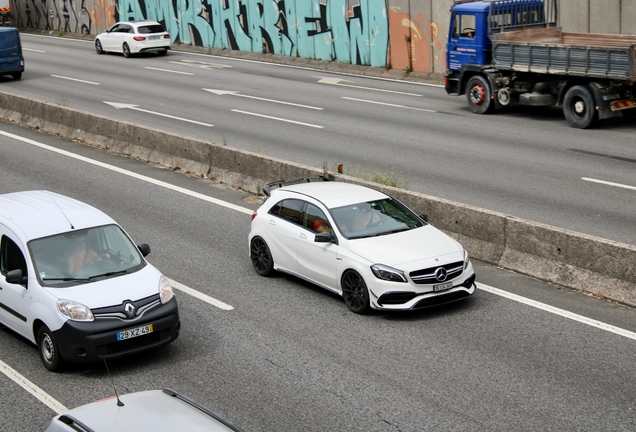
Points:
[(315, 219), (155, 28), (292, 210), (11, 257), (8, 39)]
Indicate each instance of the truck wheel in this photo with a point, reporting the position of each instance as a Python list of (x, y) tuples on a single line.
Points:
[(478, 94), (579, 107), (629, 113)]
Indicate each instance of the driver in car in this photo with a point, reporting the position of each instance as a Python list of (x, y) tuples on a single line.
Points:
[(82, 256)]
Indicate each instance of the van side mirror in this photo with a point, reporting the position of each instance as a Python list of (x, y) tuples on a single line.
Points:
[(144, 249), (16, 277)]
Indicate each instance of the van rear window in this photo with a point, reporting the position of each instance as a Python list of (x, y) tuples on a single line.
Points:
[(8, 39)]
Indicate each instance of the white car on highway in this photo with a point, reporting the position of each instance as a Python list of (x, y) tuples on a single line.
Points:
[(133, 37), (359, 243), (73, 282)]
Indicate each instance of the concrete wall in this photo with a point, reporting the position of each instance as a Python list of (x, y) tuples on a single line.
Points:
[(400, 34), (565, 258)]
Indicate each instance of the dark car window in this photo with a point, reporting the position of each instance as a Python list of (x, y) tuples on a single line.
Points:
[(315, 219), (11, 257), (154, 28), (126, 29), (290, 209)]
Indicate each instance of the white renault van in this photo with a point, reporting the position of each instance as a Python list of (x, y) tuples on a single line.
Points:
[(73, 282)]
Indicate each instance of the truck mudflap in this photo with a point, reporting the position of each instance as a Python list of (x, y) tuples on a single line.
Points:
[(452, 82)]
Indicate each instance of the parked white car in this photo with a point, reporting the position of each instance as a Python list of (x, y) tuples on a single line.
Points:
[(359, 243), (73, 282), (153, 410), (133, 37)]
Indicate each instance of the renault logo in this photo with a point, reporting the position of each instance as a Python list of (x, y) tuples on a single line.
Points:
[(440, 274), (131, 310)]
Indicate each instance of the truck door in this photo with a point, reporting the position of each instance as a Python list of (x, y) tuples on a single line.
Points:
[(465, 42)]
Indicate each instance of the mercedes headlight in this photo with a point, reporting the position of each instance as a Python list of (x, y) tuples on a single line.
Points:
[(387, 273)]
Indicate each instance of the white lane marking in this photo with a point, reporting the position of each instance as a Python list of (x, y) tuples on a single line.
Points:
[(132, 174), (118, 105), (607, 183), (74, 79), (388, 104), (337, 81), (203, 297), (168, 70), (580, 318), (34, 390), (244, 210), (235, 93), (34, 50), (279, 119)]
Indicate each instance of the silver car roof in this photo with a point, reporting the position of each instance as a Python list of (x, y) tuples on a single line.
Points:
[(153, 410)]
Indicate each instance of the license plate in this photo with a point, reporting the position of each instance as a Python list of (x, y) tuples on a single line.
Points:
[(443, 287), (153, 37), (139, 331)]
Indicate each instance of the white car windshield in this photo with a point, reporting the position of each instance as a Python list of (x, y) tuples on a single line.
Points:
[(84, 256), (368, 219)]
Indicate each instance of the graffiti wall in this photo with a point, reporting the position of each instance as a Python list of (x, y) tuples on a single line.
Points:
[(401, 34)]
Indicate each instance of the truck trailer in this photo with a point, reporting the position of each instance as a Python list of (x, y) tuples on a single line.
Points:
[(505, 52)]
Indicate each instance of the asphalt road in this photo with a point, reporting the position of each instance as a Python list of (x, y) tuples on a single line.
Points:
[(524, 162), (291, 357)]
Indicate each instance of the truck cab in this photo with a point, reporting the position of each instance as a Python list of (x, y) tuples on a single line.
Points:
[(468, 41)]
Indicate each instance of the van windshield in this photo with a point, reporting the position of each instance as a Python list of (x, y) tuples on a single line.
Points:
[(84, 256)]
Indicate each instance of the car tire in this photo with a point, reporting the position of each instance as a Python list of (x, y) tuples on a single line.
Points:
[(478, 95), (579, 107), (163, 53), (49, 352), (355, 292), (98, 47), (126, 50), (261, 257)]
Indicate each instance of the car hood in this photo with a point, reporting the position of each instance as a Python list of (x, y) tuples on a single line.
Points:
[(114, 290), (408, 248)]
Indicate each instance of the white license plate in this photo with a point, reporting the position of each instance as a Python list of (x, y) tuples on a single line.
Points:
[(153, 37), (139, 331), (443, 287)]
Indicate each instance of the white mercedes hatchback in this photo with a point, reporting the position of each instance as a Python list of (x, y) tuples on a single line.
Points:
[(73, 282), (133, 37), (359, 243)]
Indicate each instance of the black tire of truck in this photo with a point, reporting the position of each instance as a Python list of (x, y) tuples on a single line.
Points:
[(579, 107), (629, 114), (479, 95)]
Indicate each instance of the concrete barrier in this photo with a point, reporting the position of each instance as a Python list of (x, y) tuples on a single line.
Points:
[(565, 258)]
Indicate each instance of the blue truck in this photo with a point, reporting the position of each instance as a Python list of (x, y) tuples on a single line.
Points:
[(504, 52)]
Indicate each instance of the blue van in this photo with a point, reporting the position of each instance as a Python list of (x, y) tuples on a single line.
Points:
[(11, 58)]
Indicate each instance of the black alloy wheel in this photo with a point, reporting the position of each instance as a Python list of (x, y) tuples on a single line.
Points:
[(261, 257), (355, 292)]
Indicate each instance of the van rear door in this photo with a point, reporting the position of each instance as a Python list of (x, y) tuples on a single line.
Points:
[(11, 59)]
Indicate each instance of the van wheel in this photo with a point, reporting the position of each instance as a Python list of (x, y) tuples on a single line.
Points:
[(478, 95), (579, 107), (16, 75), (49, 353)]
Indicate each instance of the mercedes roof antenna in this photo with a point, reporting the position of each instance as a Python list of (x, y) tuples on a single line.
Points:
[(119, 402)]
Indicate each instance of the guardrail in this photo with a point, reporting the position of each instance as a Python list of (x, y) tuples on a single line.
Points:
[(564, 258)]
